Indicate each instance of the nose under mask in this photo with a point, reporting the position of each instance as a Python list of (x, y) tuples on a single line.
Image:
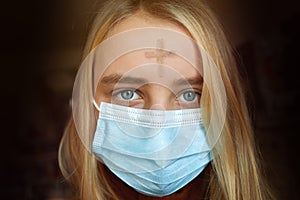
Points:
[(156, 152)]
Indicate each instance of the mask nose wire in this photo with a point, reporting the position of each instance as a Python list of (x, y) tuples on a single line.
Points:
[(153, 107)]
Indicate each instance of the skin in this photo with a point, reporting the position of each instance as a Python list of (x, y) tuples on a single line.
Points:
[(151, 94)]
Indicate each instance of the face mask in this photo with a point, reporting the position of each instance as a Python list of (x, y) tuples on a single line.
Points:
[(156, 152)]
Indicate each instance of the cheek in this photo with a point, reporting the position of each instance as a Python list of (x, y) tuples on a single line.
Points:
[(103, 98)]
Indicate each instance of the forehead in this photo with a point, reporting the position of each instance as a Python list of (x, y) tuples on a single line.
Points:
[(125, 63), (148, 66), (131, 46)]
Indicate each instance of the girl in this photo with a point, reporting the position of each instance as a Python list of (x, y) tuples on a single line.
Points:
[(133, 68)]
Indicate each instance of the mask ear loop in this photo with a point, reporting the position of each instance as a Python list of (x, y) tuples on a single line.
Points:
[(96, 105)]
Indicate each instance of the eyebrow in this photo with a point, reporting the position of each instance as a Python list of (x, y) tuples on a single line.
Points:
[(118, 78)]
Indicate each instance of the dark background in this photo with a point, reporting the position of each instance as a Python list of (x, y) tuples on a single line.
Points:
[(41, 43)]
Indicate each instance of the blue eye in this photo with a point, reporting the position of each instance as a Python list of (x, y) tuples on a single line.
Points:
[(127, 95), (188, 96)]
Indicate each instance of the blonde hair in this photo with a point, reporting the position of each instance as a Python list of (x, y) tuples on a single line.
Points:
[(236, 173)]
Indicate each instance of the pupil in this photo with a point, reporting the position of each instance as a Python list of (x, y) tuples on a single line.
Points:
[(189, 96), (128, 94)]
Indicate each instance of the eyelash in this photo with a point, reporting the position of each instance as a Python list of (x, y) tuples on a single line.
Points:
[(119, 95), (133, 94)]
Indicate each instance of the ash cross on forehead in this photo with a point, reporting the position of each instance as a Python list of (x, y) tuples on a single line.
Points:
[(159, 53)]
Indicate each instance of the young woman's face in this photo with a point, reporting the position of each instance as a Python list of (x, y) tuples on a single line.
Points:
[(150, 78)]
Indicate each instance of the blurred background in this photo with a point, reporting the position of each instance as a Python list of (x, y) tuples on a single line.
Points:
[(41, 45)]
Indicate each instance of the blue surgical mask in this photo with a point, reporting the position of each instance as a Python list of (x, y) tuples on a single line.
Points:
[(156, 152)]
